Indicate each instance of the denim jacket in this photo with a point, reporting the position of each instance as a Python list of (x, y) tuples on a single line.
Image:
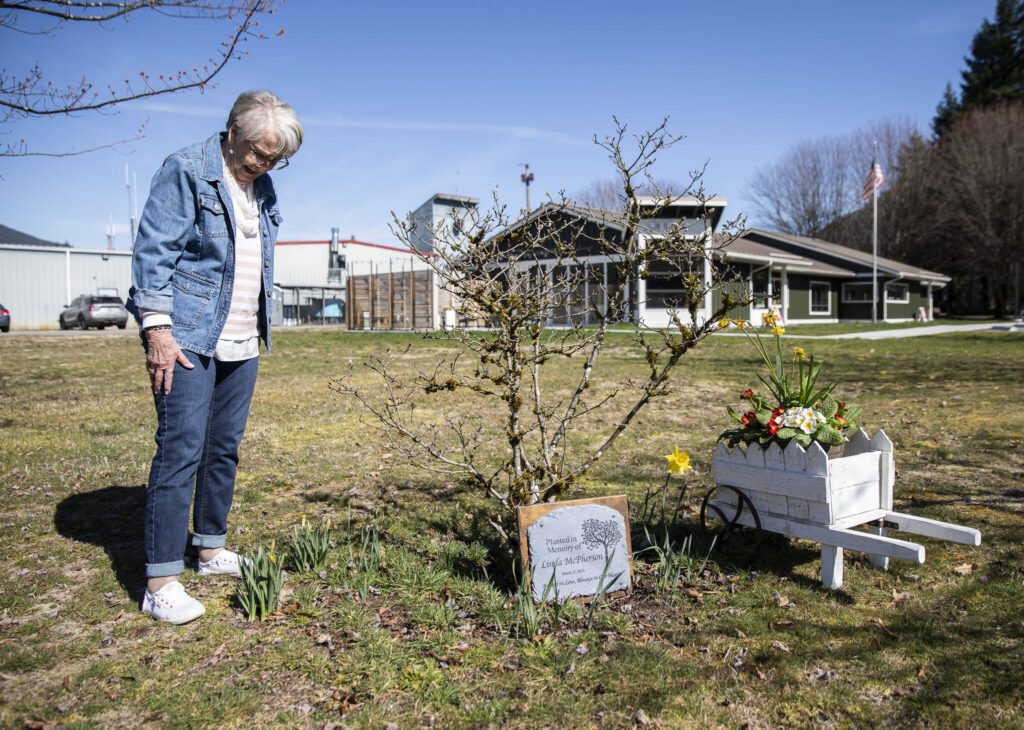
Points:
[(184, 258)]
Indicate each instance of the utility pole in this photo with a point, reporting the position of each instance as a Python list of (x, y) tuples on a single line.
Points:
[(110, 231), (527, 178), (132, 207)]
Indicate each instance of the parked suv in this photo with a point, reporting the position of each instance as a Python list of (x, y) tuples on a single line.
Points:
[(93, 311), (5, 319)]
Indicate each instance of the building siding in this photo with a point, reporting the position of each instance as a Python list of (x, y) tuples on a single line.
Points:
[(36, 283)]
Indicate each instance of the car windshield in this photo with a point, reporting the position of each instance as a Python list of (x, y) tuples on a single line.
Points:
[(106, 300)]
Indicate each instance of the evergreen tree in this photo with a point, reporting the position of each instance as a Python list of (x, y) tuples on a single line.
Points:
[(995, 67), (946, 112)]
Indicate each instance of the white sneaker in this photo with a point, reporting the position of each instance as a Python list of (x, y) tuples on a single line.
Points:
[(226, 562), (172, 604)]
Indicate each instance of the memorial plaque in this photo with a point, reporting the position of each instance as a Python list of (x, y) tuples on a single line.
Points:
[(574, 541)]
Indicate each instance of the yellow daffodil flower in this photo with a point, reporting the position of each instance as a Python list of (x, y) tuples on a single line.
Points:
[(799, 353), (723, 323), (778, 329), (678, 461), (741, 323)]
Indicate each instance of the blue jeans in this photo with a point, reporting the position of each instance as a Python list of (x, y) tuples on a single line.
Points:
[(199, 426)]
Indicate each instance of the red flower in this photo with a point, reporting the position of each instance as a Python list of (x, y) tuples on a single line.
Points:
[(748, 418), (748, 394), (778, 411), (773, 427)]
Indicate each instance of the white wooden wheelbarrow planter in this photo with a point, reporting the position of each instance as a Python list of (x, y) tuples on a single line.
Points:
[(804, 493)]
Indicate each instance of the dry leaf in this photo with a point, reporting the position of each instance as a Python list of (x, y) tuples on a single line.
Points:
[(782, 601), (780, 646), (964, 569)]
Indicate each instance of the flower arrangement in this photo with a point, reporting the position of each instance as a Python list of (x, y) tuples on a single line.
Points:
[(799, 411)]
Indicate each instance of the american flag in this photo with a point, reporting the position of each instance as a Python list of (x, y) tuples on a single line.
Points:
[(874, 181)]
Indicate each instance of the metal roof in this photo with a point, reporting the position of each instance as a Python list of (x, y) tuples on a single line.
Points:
[(863, 258)]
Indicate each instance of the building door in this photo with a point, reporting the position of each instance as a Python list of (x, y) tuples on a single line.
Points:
[(766, 287)]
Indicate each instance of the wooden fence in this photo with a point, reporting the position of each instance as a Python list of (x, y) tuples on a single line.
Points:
[(396, 300)]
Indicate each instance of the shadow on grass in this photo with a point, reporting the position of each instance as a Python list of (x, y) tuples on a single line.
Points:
[(111, 518), (970, 640)]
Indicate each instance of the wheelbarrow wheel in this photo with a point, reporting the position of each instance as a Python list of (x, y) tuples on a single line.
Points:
[(714, 520)]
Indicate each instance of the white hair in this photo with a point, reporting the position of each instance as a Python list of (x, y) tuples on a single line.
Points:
[(256, 113)]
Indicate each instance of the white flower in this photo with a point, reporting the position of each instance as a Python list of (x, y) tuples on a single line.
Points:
[(807, 420)]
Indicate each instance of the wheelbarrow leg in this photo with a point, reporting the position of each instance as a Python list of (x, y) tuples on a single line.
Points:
[(879, 561), (831, 566)]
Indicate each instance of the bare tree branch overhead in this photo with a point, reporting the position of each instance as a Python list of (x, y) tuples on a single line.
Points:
[(97, 12), (31, 94)]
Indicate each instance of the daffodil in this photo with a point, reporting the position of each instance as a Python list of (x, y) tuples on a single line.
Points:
[(723, 323), (678, 461), (741, 323), (768, 318), (778, 329), (799, 353)]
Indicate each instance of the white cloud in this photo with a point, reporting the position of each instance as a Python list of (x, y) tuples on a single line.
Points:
[(334, 120), (400, 125)]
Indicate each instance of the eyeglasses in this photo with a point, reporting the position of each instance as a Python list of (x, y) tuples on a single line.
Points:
[(273, 163)]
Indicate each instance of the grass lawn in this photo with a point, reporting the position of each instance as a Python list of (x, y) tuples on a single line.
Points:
[(425, 632)]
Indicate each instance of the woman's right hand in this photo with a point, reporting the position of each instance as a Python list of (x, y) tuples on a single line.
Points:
[(162, 352)]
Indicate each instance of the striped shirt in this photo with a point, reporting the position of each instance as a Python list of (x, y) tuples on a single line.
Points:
[(239, 339)]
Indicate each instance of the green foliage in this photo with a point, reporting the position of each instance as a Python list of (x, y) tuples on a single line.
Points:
[(602, 587), (799, 411), (260, 586), (309, 546), (994, 73), (528, 614), (672, 564)]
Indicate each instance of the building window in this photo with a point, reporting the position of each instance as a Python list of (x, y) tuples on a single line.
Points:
[(821, 297), (897, 293), (766, 288), (667, 286), (857, 293)]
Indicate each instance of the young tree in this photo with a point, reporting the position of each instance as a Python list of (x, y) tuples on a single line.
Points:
[(543, 302), (31, 94), (607, 194)]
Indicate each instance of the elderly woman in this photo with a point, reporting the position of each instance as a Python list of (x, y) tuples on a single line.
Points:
[(202, 274)]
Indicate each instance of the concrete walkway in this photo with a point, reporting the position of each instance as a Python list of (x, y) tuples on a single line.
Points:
[(937, 329)]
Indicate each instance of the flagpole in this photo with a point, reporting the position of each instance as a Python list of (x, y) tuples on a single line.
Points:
[(874, 238)]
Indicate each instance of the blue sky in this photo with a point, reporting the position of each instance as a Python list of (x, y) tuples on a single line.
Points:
[(404, 99)]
